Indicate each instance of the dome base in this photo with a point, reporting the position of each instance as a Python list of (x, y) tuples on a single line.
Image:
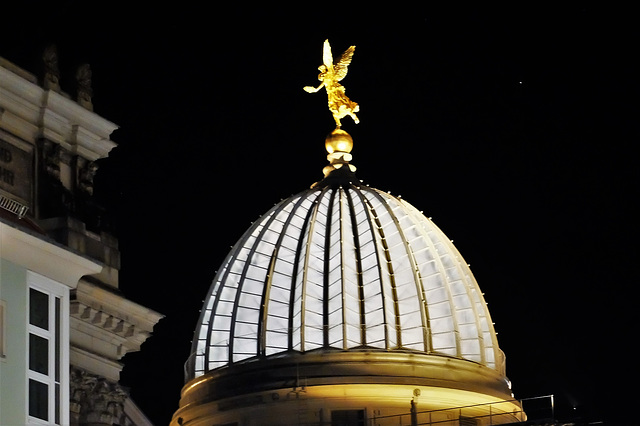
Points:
[(339, 380)]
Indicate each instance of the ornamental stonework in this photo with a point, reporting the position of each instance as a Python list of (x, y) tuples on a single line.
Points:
[(95, 400)]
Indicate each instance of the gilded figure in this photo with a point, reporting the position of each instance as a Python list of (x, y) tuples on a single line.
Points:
[(330, 74)]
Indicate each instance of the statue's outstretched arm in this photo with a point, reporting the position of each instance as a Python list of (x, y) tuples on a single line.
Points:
[(311, 89)]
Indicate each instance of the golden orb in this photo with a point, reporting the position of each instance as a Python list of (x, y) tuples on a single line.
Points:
[(338, 141)]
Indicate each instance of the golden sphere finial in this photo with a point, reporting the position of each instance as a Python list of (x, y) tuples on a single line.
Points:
[(338, 144), (338, 141)]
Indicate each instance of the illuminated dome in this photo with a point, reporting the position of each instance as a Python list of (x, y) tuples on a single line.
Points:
[(343, 267), (344, 285)]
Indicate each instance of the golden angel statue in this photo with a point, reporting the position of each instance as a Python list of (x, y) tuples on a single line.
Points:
[(330, 74)]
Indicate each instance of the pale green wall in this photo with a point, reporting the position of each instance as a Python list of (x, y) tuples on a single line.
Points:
[(13, 369)]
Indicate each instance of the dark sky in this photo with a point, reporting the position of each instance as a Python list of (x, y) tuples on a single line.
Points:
[(514, 128)]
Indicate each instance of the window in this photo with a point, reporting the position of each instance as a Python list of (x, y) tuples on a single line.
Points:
[(347, 418), (468, 421), (47, 351)]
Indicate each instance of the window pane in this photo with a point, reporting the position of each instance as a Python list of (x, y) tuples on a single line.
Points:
[(56, 341), (38, 400), (57, 406), (38, 309), (38, 354)]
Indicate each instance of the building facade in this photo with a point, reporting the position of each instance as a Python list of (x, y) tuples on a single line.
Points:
[(64, 324)]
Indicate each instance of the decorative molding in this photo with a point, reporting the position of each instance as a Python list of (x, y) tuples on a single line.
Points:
[(108, 326), (96, 400)]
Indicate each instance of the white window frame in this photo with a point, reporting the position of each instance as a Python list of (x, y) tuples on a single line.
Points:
[(54, 290)]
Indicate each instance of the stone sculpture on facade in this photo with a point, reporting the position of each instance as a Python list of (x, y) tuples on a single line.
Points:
[(51, 69), (84, 91)]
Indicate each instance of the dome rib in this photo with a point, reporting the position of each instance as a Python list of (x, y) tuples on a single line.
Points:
[(302, 240), (373, 228), (305, 284), (244, 280), (329, 278), (358, 265), (379, 236), (417, 281), (214, 350), (440, 268), (264, 307)]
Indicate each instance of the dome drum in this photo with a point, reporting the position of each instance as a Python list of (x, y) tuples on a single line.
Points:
[(272, 389), (320, 368)]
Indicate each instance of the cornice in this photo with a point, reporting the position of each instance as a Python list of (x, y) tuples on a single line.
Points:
[(31, 112), (113, 303), (44, 257), (109, 317)]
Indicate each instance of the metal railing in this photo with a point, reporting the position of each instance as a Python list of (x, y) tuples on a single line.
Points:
[(13, 206), (538, 408)]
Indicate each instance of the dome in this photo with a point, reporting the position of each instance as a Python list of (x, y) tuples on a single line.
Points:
[(345, 302), (343, 267)]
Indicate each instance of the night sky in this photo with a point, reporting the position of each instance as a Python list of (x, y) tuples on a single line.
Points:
[(514, 128)]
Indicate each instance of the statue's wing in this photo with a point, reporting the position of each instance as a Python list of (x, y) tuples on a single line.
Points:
[(327, 57), (340, 67)]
